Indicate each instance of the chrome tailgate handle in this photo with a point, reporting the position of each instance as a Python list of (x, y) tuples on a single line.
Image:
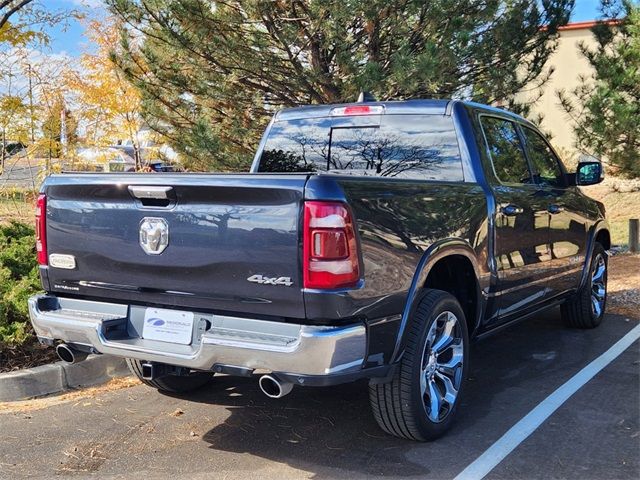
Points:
[(153, 192)]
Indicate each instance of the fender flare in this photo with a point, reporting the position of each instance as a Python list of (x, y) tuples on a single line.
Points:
[(437, 251), (598, 227)]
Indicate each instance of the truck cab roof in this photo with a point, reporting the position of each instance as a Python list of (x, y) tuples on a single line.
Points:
[(396, 107)]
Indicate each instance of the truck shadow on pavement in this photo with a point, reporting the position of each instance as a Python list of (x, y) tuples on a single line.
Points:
[(331, 431)]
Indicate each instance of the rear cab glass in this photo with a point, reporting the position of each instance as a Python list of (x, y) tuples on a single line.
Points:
[(407, 146)]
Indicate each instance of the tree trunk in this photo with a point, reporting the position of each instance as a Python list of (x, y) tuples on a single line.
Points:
[(4, 150)]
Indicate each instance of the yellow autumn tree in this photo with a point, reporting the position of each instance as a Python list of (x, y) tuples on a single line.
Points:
[(106, 104)]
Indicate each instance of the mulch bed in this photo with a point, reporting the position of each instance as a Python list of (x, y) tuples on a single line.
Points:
[(30, 354), (623, 285)]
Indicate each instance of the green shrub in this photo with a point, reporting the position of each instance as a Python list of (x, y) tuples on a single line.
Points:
[(18, 280)]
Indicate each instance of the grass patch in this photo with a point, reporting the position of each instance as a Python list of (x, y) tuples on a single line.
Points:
[(620, 205), (619, 230), (17, 205)]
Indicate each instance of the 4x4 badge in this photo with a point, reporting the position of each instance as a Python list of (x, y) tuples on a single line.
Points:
[(262, 280)]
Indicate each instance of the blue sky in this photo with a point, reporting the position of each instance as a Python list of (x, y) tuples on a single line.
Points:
[(70, 40), (585, 10)]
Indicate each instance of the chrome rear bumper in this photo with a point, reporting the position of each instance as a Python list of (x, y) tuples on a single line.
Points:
[(230, 341)]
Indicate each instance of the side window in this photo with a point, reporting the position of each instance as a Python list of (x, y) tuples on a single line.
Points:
[(506, 151), (545, 164)]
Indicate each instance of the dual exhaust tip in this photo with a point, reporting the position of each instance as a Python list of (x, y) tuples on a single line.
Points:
[(71, 355), (271, 386)]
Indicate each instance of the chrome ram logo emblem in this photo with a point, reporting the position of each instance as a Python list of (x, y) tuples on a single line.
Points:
[(154, 235)]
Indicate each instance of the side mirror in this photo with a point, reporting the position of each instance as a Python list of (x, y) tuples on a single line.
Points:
[(589, 173)]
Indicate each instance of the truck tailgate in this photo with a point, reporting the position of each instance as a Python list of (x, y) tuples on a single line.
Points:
[(222, 230)]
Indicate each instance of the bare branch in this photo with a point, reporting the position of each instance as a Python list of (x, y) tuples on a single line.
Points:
[(7, 15)]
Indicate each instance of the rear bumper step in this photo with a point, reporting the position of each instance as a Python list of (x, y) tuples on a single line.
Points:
[(232, 342)]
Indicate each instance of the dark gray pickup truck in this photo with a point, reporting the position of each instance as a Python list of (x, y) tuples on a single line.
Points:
[(370, 240)]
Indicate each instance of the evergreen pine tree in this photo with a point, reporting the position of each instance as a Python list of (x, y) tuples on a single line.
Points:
[(212, 73)]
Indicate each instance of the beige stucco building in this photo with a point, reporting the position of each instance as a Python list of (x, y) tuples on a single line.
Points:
[(569, 65)]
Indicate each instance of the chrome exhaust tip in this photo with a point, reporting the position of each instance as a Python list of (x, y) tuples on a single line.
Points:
[(69, 354), (274, 388)]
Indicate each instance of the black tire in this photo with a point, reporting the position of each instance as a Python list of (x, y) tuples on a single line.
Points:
[(399, 405), (171, 383), (579, 311)]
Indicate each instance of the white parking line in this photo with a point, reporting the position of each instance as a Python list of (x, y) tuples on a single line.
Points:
[(525, 427)]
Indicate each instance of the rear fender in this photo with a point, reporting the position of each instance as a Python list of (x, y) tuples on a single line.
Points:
[(436, 252)]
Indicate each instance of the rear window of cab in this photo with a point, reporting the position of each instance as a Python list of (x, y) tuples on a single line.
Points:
[(418, 147)]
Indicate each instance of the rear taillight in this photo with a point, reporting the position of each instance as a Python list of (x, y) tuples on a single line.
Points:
[(41, 229), (330, 249)]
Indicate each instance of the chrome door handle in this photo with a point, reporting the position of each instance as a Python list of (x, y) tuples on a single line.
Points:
[(553, 209), (511, 210)]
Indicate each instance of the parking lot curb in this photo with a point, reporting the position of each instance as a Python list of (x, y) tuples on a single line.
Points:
[(60, 376)]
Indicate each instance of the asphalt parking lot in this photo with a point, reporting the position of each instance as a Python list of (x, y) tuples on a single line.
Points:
[(231, 430)]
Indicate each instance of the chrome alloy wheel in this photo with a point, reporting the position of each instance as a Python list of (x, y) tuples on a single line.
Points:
[(442, 361), (598, 285)]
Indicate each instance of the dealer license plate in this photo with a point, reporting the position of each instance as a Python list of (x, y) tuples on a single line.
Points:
[(168, 326)]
